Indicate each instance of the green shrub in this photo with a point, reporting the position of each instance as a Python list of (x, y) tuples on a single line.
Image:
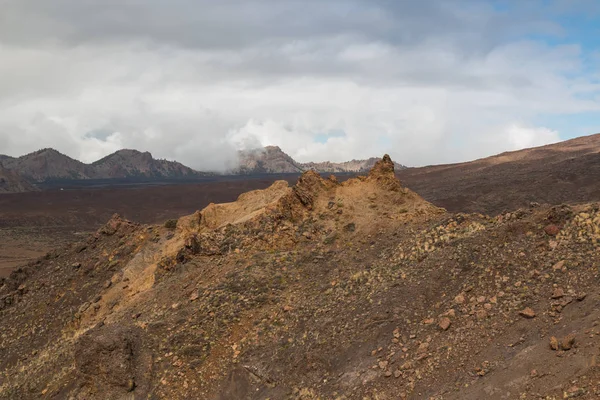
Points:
[(171, 224)]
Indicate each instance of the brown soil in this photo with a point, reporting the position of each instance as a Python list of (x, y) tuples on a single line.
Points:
[(33, 223), (567, 172), (324, 290), (20, 245)]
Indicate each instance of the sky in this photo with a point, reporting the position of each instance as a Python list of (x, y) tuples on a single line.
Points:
[(428, 81)]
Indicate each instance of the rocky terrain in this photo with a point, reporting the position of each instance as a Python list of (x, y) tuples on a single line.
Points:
[(566, 172), (323, 290), (11, 182), (268, 160), (272, 159), (48, 164)]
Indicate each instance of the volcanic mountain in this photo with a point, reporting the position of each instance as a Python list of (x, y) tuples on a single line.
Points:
[(272, 159), (323, 290), (11, 182), (132, 163), (48, 164)]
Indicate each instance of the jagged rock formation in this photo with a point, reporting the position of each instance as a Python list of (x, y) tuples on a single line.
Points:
[(272, 159), (323, 290), (359, 166)]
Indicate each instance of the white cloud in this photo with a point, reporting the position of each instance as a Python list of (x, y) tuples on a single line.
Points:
[(447, 91), (520, 137)]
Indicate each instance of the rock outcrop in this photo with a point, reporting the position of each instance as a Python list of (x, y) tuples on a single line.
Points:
[(353, 290)]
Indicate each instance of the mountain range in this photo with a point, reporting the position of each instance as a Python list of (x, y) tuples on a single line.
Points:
[(49, 164)]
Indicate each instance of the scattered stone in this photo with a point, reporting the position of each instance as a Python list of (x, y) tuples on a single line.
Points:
[(581, 296), (567, 342), (552, 230), (445, 323), (533, 373), (460, 299), (558, 293), (564, 344), (423, 347), (351, 227), (481, 314), (574, 392), (559, 265), (527, 313)]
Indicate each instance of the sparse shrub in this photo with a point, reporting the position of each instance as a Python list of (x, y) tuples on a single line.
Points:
[(171, 224)]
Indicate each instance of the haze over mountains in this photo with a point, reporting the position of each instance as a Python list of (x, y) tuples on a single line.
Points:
[(272, 159), (49, 164)]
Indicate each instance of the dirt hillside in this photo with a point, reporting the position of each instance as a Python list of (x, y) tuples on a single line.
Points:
[(323, 290), (565, 172)]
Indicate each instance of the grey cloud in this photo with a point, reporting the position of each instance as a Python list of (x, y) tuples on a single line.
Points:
[(196, 80), (233, 24)]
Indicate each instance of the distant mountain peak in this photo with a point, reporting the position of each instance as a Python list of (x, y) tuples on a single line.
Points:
[(272, 159), (48, 163)]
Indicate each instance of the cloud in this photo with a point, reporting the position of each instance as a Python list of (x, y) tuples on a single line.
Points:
[(522, 137), (427, 82)]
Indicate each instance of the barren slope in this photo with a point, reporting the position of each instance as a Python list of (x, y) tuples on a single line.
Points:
[(564, 172), (324, 290), (11, 182)]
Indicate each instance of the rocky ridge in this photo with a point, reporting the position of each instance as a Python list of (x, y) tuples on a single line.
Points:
[(323, 290), (272, 159)]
